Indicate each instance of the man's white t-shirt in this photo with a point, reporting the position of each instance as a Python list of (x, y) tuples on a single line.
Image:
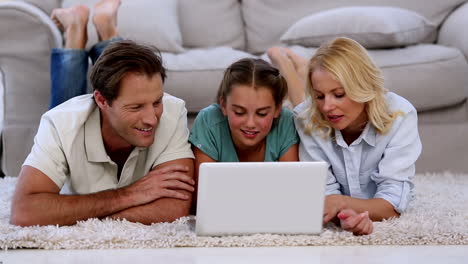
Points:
[(69, 148)]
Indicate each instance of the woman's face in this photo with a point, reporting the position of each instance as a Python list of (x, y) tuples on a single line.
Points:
[(337, 108), (250, 114)]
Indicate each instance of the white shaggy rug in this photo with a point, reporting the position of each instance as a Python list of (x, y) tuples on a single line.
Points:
[(438, 216)]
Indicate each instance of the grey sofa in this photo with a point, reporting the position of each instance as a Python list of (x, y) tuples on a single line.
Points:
[(199, 38)]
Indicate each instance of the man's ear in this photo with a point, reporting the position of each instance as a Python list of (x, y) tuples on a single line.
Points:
[(100, 100), (222, 103)]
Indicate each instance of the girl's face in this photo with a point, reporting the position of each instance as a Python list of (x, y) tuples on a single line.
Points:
[(337, 108), (250, 114)]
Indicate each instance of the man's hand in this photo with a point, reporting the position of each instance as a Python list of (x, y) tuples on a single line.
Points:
[(163, 182), (333, 205), (359, 224)]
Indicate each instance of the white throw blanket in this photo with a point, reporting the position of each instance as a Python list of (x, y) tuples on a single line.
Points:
[(438, 216)]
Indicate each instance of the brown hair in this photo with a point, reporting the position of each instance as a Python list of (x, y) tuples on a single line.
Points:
[(120, 58), (256, 73)]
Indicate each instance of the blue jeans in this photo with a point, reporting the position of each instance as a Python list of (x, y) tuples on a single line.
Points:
[(69, 71)]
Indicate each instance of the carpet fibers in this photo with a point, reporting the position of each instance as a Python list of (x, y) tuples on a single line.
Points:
[(437, 216)]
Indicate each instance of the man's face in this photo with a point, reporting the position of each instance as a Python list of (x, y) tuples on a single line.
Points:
[(134, 115)]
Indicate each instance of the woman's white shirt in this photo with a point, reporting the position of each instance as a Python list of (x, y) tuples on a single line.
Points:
[(374, 165)]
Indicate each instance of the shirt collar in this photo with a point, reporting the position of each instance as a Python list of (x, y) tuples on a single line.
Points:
[(94, 145), (369, 135)]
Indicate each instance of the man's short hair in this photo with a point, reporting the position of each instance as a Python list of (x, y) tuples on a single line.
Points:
[(120, 58)]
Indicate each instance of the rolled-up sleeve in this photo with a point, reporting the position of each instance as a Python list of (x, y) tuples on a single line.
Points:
[(397, 166)]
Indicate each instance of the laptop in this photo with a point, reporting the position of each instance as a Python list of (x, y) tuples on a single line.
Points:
[(236, 198)]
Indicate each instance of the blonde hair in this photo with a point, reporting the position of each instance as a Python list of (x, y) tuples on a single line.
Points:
[(349, 64)]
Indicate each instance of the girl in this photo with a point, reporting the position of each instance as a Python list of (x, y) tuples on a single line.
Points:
[(368, 135), (248, 122)]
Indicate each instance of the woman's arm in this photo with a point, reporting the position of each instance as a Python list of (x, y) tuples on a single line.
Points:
[(393, 175), (378, 208)]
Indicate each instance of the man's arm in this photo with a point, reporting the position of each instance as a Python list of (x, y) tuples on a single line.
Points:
[(37, 200), (164, 209), (177, 154)]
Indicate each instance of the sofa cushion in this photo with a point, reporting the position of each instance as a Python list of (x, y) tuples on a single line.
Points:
[(209, 23), (45, 5), (372, 27), (266, 20), (450, 35), (195, 75), (429, 76), (152, 22)]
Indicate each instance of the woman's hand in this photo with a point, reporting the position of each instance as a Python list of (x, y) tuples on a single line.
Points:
[(334, 203), (359, 224)]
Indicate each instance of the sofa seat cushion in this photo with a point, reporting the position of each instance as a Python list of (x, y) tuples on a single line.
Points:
[(429, 76), (195, 75)]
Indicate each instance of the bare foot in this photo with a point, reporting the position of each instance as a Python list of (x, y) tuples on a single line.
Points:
[(301, 64), (281, 60), (105, 18), (72, 21), (295, 76)]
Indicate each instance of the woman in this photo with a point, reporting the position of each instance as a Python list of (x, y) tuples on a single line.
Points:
[(368, 135)]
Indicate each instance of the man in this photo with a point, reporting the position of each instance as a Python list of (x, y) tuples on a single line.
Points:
[(121, 152)]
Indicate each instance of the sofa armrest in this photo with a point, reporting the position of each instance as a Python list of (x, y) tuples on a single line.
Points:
[(2, 85), (27, 36), (2, 100), (453, 30), (23, 26)]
